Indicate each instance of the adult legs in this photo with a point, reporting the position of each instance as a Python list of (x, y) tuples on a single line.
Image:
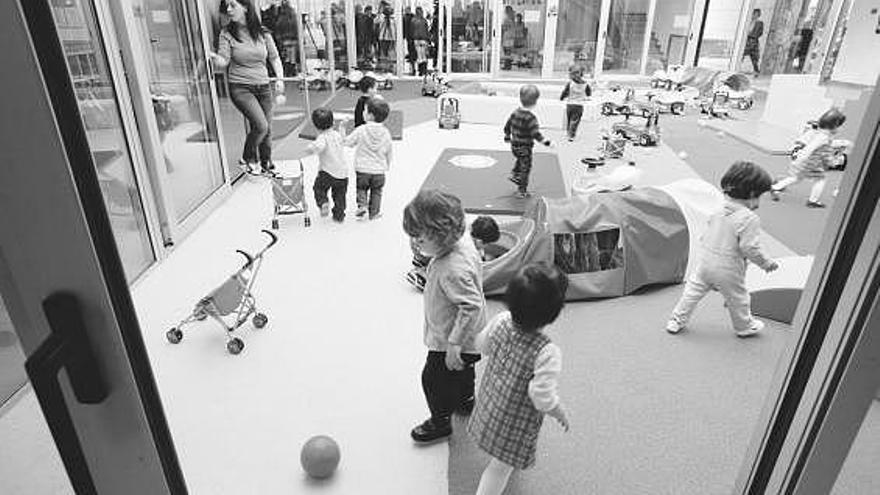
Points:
[(494, 478), (265, 98), (246, 101), (753, 55)]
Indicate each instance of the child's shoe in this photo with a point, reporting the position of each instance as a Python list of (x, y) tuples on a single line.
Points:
[(325, 209), (513, 178), (376, 216), (757, 326), (523, 194), (428, 431), (774, 194), (815, 204), (361, 211), (672, 326)]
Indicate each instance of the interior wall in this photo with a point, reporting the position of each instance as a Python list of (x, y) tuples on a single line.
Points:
[(858, 62)]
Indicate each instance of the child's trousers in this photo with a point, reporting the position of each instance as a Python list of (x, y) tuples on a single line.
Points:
[(523, 165), (369, 191), (815, 191), (728, 276), (338, 188), (446, 389), (573, 114)]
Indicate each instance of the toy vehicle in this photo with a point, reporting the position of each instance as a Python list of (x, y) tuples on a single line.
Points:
[(434, 84), (743, 100), (717, 106), (449, 116), (618, 101), (839, 147), (667, 79), (647, 135), (354, 76), (612, 147), (674, 100)]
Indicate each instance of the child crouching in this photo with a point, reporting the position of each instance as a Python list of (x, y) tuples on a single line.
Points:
[(519, 383)]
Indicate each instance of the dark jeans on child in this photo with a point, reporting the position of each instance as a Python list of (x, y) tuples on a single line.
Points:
[(573, 114), (369, 191), (254, 101), (445, 389), (337, 187), (523, 166)]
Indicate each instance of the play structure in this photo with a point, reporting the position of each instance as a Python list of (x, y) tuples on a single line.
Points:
[(609, 244), (233, 297)]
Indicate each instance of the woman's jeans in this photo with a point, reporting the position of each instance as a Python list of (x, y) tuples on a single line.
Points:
[(254, 101)]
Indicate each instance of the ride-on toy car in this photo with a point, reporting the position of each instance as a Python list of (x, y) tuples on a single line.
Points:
[(647, 135), (674, 100), (717, 105), (617, 101), (449, 114), (434, 84)]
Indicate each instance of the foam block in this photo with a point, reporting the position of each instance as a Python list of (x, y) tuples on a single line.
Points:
[(794, 99), (775, 295)]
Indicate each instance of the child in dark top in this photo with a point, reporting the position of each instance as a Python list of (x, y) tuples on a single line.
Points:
[(576, 92), (485, 232), (367, 85), (521, 131)]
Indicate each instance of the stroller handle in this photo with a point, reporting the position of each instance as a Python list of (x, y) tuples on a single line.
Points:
[(249, 258), (272, 237)]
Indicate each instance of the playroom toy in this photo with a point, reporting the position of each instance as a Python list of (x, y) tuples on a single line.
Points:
[(647, 135), (618, 101), (320, 456), (717, 105), (839, 147), (317, 76), (669, 78), (288, 193), (232, 297), (612, 147), (434, 84), (674, 100), (449, 113)]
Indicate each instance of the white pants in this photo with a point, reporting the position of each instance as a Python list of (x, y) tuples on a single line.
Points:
[(815, 191), (728, 277), (494, 478)]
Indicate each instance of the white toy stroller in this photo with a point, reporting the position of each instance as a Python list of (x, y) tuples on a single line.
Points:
[(233, 297), (288, 194)]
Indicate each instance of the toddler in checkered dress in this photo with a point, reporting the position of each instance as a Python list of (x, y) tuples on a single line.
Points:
[(519, 383)]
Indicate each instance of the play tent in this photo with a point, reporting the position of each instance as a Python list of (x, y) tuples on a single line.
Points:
[(609, 244)]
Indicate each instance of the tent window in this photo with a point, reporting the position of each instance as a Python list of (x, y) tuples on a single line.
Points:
[(584, 252)]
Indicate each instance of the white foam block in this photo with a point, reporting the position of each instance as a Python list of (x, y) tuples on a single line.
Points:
[(794, 99), (775, 295)]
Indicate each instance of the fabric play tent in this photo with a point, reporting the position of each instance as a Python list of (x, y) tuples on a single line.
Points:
[(609, 244)]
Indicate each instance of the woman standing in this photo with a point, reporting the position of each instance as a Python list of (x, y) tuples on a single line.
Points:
[(244, 48), (753, 40)]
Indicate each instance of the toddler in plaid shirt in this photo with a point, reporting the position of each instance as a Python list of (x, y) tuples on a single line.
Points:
[(521, 131), (519, 383)]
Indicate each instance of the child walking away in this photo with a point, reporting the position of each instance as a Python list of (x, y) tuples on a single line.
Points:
[(811, 161), (367, 85), (576, 93), (332, 169), (454, 308), (372, 158), (521, 131), (730, 241), (519, 383)]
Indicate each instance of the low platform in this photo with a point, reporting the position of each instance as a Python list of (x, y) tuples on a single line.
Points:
[(769, 138)]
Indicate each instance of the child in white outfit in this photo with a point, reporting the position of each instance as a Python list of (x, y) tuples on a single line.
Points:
[(731, 239), (811, 161), (333, 170), (519, 383)]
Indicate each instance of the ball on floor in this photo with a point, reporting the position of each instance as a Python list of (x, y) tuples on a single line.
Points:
[(683, 155), (320, 456), (720, 134), (280, 99)]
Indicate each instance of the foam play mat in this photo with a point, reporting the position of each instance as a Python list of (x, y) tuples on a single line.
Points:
[(394, 123), (479, 179)]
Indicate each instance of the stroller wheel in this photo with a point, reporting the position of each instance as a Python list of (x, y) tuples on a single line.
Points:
[(307, 222), (275, 224), (174, 335), (235, 345), (260, 320)]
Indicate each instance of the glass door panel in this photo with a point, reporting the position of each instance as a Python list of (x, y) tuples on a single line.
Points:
[(522, 38), (99, 108), (669, 34), (180, 90), (420, 35), (719, 34), (471, 36), (376, 35), (577, 32), (625, 36)]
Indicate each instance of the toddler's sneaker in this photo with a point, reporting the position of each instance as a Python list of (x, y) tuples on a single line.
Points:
[(523, 194), (325, 209), (673, 327), (361, 211), (815, 204), (774, 194), (376, 216), (757, 326), (513, 178)]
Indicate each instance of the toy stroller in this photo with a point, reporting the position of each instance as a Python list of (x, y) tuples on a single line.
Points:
[(450, 116), (288, 193), (233, 297)]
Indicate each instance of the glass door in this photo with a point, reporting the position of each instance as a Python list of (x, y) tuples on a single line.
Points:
[(670, 34), (577, 36), (716, 48), (522, 38), (469, 27), (420, 36), (167, 50), (625, 33)]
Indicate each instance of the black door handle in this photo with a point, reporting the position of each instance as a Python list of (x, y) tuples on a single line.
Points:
[(66, 347)]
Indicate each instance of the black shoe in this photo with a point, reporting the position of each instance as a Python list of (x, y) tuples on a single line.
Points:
[(815, 204), (430, 432), (514, 179), (466, 407)]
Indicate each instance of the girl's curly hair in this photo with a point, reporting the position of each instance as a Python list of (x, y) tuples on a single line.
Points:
[(436, 214)]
